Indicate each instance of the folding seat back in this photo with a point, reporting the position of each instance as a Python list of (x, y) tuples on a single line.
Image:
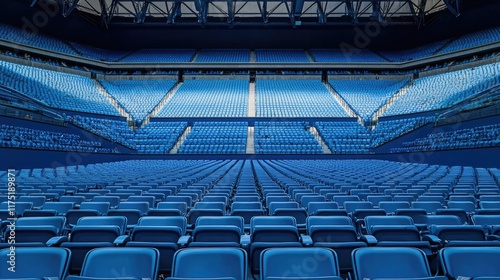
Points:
[(142, 188), (392, 228), (150, 200), (351, 206), (246, 206), (271, 231), (273, 206), (239, 198), (210, 263), (470, 262), (403, 197), (316, 208), (165, 193), (495, 198), (101, 207), (218, 231), (100, 191), (36, 231), (490, 223), (460, 213), (271, 199), (142, 207), (291, 209), (178, 198), (88, 228), (337, 233), (37, 201), (375, 199), (178, 207), (442, 220), (213, 198), (392, 206), (305, 200), (489, 204), (60, 207), (282, 263), (391, 263), (340, 199), (299, 194), (193, 195), (430, 206), (432, 198), (206, 209), (467, 206), (77, 200), (35, 263), (462, 235), (19, 207), (469, 198), (113, 201), (162, 233), (120, 263), (129, 191)]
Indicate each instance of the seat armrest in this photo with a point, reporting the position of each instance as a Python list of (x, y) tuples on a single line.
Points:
[(306, 240), (245, 241), (121, 240), (184, 240), (493, 238), (432, 239), (56, 241), (369, 239)]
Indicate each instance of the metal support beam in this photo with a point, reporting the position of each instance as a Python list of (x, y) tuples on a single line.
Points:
[(453, 6)]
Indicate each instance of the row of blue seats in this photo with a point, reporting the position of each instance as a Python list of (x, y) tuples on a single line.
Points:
[(277, 263), (169, 234)]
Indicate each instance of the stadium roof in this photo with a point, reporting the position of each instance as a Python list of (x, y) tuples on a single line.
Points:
[(259, 12)]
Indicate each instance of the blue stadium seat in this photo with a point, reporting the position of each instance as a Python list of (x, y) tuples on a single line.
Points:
[(119, 263), (293, 263), (35, 263)]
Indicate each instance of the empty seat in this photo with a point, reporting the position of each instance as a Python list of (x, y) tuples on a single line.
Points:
[(210, 263), (35, 263), (205, 209), (169, 209), (113, 201), (490, 223), (391, 263), (61, 208), (270, 232), (247, 210), (461, 236), (90, 233), (396, 231), (470, 262), (337, 233), (119, 263), (217, 232), (34, 231), (392, 206), (299, 263), (162, 233), (322, 208), (430, 206)]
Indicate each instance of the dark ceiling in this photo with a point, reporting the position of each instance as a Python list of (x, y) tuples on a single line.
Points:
[(80, 27)]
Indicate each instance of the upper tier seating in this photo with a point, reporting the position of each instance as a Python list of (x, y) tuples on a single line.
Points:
[(436, 92), (345, 55), (27, 138), (98, 54), (482, 37), (216, 138), (285, 55), (34, 38), (285, 138), (159, 55), (477, 137), (344, 137), (387, 130), (295, 98), (366, 96), (223, 55), (128, 92), (208, 98), (56, 89)]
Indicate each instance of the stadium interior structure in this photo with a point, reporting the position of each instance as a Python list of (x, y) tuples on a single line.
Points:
[(295, 139)]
